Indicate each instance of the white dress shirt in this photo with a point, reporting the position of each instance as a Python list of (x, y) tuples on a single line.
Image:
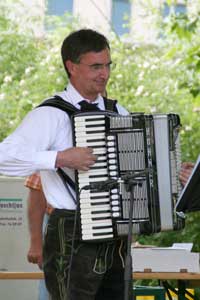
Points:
[(33, 147)]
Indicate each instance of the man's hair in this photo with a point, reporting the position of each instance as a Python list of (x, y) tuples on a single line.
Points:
[(80, 42)]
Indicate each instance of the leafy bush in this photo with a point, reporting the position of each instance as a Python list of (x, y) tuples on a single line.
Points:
[(31, 68)]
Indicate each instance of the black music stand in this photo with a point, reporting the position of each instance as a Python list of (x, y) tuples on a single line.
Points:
[(131, 181), (189, 199)]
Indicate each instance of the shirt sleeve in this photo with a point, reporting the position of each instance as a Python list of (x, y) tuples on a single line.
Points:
[(29, 148)]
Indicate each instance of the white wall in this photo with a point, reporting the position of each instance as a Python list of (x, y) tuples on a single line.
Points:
[(95, 14), (31, 9), (145, 16)]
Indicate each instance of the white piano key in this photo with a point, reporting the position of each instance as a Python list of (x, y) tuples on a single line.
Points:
[(88, 137), (79, 134), (83, 197), (89, 215), (88, 118), (87, 194), (86, 200), (84, 183), (91, 144), (91, 237), (94, 209), (86, 123), (90, 220), (95, 231), (99, 164), (95, 129), (85, 180), (97, 151), (102, 157), (98, 223), (91, 122), (96, 216), (91, 206), (102, 171), (85, 127), (91, 203), (92, 200), (97, 226)]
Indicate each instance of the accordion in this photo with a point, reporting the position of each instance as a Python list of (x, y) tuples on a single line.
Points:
[(146, 147)]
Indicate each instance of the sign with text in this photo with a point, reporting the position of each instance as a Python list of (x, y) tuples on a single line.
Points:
[(14, 236)]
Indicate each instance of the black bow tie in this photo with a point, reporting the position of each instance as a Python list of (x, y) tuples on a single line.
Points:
[(86, 106)]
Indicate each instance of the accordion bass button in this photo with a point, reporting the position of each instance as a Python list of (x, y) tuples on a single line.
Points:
[(115, 214), (114, 191), (115, 208), (113, 173), (111, 155), (112, 167), (110, 138), (110, 144), (112, 161), (111, 149), (114, 203), (115, 196)]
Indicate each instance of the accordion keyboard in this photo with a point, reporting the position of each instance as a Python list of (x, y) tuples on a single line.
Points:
[(120, 149)]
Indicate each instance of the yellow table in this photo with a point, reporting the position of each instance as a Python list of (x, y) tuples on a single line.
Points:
[(184, 280)]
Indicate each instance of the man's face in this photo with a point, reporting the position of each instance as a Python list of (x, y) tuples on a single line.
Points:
[(91, 74)]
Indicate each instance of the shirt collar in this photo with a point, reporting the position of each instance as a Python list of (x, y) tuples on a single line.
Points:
[(71, 95)]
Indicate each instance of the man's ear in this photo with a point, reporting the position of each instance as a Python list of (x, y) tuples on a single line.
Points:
[(71, 67)]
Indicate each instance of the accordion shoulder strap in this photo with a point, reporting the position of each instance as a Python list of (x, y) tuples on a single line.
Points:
[(110, 104), (70, 109), (60, 103)]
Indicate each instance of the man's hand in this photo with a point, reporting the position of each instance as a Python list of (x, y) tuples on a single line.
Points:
[(186, 169), (35, 255), (79, 158)]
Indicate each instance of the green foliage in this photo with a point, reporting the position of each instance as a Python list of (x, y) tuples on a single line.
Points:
[(148, 78), (31, 68)]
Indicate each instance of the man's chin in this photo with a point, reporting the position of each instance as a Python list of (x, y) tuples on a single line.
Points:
[(101, 89)]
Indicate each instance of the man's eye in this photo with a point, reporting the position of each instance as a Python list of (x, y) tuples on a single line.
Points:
[(96, 67)]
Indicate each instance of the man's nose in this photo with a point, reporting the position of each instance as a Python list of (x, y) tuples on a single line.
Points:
[(105, 71)]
